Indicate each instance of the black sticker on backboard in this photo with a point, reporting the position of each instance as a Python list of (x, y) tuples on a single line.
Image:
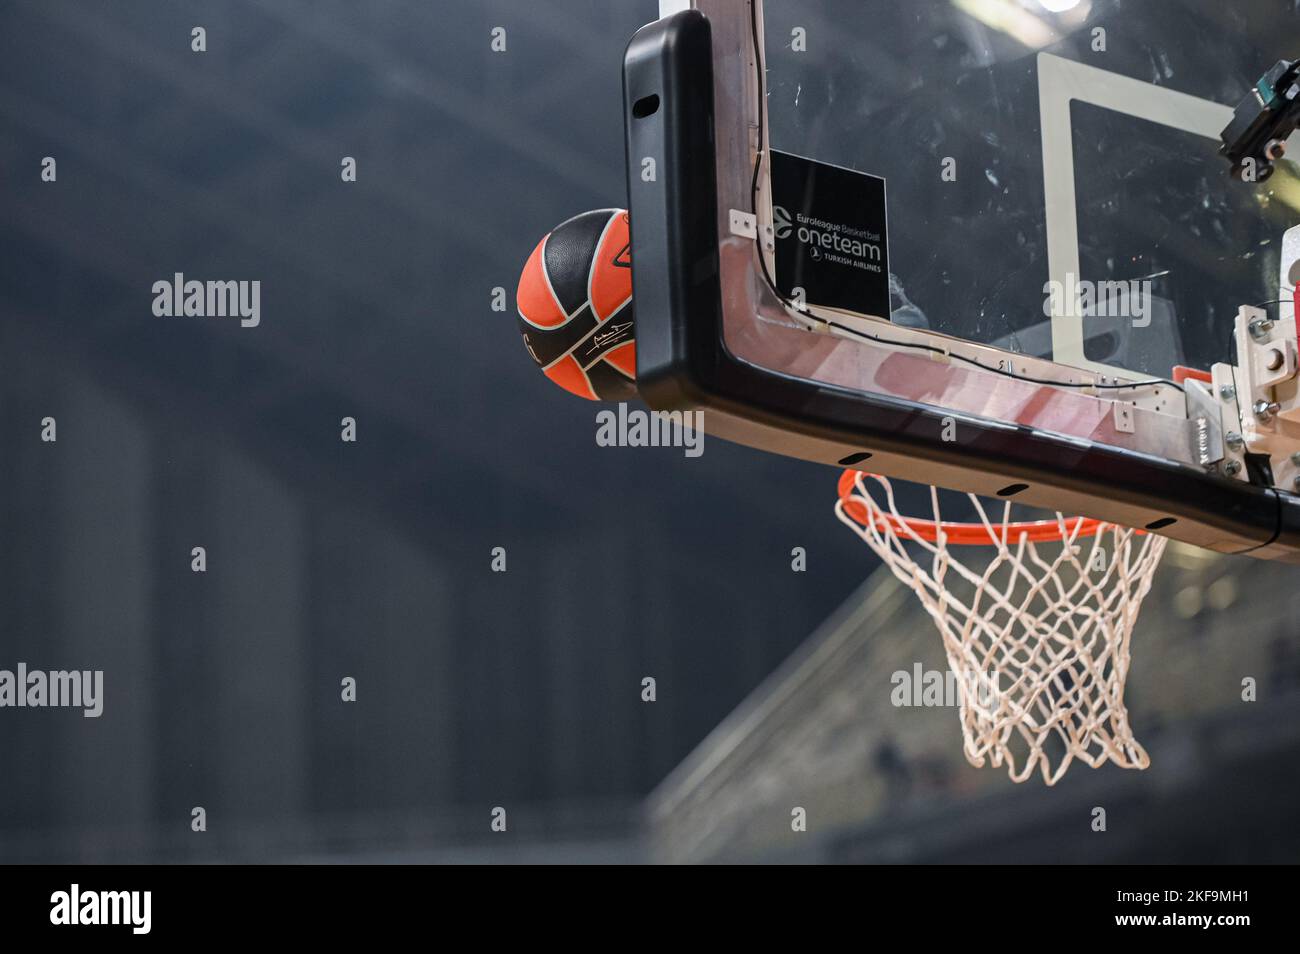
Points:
[(832, 242)]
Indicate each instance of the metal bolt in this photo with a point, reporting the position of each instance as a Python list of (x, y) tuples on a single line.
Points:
[(1232, 468), (1233, 440), (1260, 328), (1227, 392), (1265, 410)]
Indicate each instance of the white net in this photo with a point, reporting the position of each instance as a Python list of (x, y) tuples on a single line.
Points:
[(1037, 633)]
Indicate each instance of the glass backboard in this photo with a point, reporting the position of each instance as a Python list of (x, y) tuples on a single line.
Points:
[(1052, 173)]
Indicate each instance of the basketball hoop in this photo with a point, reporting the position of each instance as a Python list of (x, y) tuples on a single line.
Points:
[(1038, 636)]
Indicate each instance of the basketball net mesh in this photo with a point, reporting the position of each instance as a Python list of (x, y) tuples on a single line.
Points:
[(1038, 637)]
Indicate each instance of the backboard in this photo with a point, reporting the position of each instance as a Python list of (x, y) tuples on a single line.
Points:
[(1023, 147), (968, 242)]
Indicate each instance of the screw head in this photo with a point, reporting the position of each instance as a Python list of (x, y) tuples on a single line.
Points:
[(1227, 392), (1233, 440), (1232, 468), (1260, 327), (1264, 409)]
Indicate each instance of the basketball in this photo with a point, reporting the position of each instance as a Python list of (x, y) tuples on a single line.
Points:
[(575, 306)]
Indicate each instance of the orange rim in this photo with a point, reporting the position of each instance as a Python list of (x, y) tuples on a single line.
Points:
[(966, 534)]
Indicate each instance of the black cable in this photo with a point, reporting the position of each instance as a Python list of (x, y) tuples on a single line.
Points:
[(771, 284), (759, 60)]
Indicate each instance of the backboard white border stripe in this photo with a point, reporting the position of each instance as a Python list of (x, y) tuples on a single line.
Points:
[(1060, 82)]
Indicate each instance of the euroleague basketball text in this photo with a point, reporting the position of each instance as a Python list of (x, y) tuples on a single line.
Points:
[(636, 428)]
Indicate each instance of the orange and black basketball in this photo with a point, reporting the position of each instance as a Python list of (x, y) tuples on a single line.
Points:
[(575, 306)]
